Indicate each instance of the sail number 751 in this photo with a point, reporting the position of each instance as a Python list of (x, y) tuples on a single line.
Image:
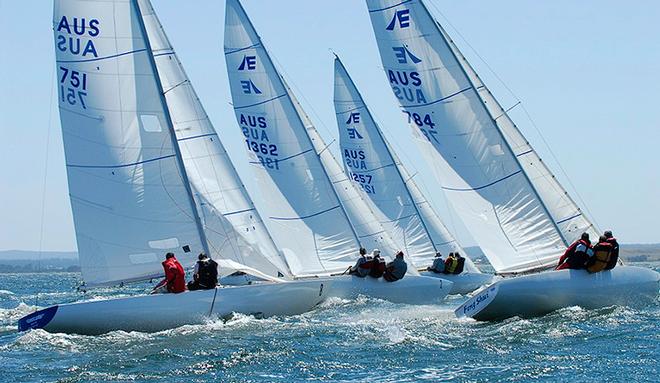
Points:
[(73, 87)]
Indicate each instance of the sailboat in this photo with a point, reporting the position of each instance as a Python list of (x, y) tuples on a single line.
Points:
[(371, 163), (515, 208), (317, 218), (148, 175)]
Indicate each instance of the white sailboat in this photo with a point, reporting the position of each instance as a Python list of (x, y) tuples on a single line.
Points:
[(517, 211), (316, 216), (373, 166), (147, 175)]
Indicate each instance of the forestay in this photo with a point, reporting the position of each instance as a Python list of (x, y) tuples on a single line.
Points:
[(374, 167), (131, 202), (233, 227), (306, 217), (499, 200)]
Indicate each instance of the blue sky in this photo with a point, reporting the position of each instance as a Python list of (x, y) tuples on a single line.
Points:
[(586, 71)]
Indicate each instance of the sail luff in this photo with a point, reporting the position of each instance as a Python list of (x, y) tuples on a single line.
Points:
[(170, 127)]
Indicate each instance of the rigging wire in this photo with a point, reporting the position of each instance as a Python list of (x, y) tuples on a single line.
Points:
[(45, 178), (522, 105)]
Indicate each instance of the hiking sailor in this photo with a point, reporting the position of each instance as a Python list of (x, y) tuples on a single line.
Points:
[(363, 264), (175, 276), (451, 263), (614, 255), (460, 263), (396, 269), (205, 276), (600, 258), (377, 266), (438, 265), (577, 254)]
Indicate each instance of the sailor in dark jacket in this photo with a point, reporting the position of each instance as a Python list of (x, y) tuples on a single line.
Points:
[(205, 276), (396, 269)]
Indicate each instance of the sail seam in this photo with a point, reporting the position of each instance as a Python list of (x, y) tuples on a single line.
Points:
[(103, 58), (523, 153), (198, 136), (238, 212), (259, 103), (121, 165), (304, 217), (242, 49), (484, 186), (286, 158), (391, 6), (569, 218), (440, 100)]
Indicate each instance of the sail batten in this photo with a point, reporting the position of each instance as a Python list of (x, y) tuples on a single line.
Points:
[(461, 131)]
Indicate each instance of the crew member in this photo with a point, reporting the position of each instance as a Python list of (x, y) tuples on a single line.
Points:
[(205, 276), (438, 265), (377, 266), (460, 265), (601, 256), (614, 254), (577, 254), (396, 269), (175, 276), (450, 264), (363, 264)]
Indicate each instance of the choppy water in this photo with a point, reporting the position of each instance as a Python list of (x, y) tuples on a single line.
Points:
[(362, 340)]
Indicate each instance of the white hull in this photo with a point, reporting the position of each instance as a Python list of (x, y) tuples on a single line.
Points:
[(164, 311), (539, 294), (464, 283), (416, 290)]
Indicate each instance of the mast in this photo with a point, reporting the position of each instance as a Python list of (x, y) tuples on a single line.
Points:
[(389, 153), (170, 127), (508, 146)]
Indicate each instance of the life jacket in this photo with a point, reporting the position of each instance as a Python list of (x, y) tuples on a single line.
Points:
[(208, 273), (450, 265), (460, 265), (175, 275), (576, 259), (601, 257), (377, 268), (614, 254), (438, 266)]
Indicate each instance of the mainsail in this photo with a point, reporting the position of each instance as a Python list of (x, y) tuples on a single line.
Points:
[(373, 166), (129, 194), (514, 207), (233, 226), (307, 215)]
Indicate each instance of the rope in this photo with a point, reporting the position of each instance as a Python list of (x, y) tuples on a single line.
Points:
[(45, 179)]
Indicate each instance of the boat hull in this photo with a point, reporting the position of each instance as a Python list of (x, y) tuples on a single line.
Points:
[(538, 294), (416, 290), (149, 313), (463, 283)]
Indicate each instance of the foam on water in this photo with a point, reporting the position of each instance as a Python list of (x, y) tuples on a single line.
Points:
[(342, 340)]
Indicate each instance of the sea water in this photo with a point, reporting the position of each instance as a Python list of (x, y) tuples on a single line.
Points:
[(364, 340)]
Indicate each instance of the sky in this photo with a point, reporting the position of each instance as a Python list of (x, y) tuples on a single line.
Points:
[(586, 72)]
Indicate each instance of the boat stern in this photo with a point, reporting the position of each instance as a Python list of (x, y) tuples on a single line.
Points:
[(38, 319)]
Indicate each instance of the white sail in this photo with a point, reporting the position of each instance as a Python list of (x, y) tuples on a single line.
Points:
[(478, 168), (233, 227), (129, 194), (374, 167), (306, 217), (570, 219)]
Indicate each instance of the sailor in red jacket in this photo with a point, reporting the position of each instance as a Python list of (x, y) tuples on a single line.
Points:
[(577, 254), (175, 276)]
